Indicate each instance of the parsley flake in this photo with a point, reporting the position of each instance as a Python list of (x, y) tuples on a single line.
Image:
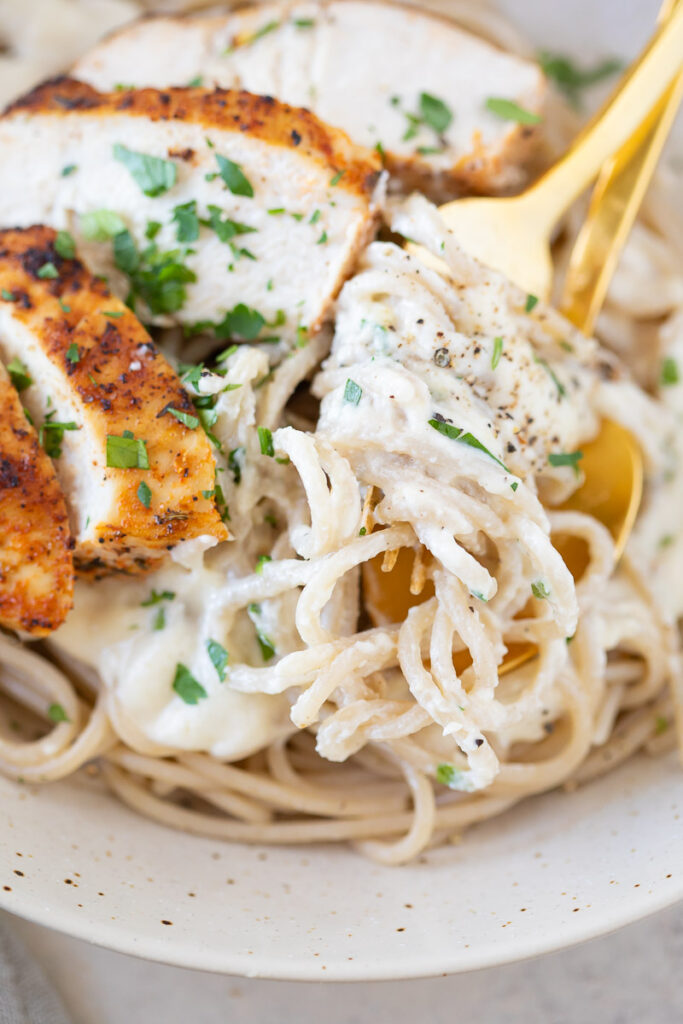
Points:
[(185, 418), (566, 459), (65, 245), (464, 437), (539, 590), (352, 392), (19, 375), (261, 561), (156, 597), (126, 452), (144, 494), (100, 225), (56, 713), (669, 373), (186, 686), (531, 301), (497, 352), (153, 174), (570, 79), (337, 177), (508, 110), (72, 353), (265, 438), (435, 113), (187, 222), (48, 270), (219, 657), (7, 295), (234, 177)]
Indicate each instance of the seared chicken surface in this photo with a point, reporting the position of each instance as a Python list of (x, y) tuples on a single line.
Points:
[(392, 75), (134, 463), (196, 204), (36, 564)]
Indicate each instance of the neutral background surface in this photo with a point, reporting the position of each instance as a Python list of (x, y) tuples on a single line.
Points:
[(629, 977)]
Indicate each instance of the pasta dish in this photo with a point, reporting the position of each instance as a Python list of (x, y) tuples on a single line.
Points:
[(278, 495)]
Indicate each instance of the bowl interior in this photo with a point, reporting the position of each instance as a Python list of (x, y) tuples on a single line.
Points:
[(558, 869)]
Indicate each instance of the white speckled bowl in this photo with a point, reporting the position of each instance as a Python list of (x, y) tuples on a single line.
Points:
[(558, 869)]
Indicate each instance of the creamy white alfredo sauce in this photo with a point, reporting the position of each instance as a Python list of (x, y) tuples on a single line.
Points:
[(111, 630)]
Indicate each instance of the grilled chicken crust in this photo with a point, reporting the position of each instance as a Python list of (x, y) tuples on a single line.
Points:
[(93, 364), (36, 563), (299, 214), (260, 117), (360, 65)]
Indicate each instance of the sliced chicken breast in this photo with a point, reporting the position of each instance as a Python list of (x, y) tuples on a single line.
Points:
[(204, 207), (135, 466), (390, 74), (36, 563)]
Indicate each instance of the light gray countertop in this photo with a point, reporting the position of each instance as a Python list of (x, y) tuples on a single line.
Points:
[(629, 977)]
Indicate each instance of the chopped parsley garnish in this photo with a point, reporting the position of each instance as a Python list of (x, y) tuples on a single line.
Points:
[(225, 229), (158, 278), (186, 686), (566, 459), (240, 322), (447, 775), (19, 375), (153, 174), (159, 620), (48, 270), (435, 113), (304, 22), (265, 438), (508, 110), (661, 725), (236, 463), (113, 313), (144, 494), (152, 230), (195, 83), (126, 452), (265, 30), (570, 79), (125, 252), (275, 211), (497, 352), (261, 561), (539, 590), (7, 295), (456, 434), (63, 306), (561, 389), (56, 713), (337, 177), (266, 645), (666, 541), (531, 301), (68, 169), (65, 245), (186, 418), (186, 221), (352, 392), (100, 225), (72, 353), (226, 353), (51, 435), (156, 597), (669, 372), (322, 239), (429, 150), (219, 657), (234, 177), (315, 217)]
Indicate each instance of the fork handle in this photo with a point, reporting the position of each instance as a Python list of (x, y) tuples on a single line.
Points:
[(635, 96)]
